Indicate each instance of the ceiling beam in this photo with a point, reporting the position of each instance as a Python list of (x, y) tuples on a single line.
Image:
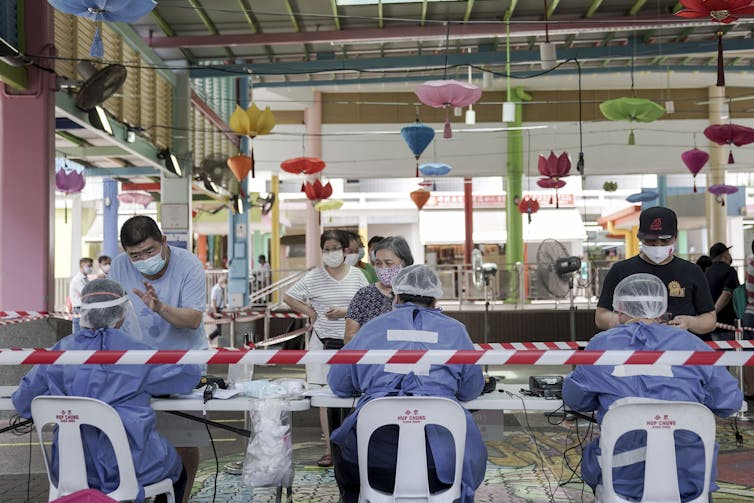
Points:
[(170, 32), (92, 151), (636, 7), (593, 8), (425, 33), (124, 172), (135, 42), (469, 8), (245, 7), (213, 118), (211, 28), (335, 18), (551, 8), (149, 187), (424, 13)]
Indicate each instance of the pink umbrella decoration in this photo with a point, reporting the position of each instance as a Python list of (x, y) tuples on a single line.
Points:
[(68, 180), (720, 190), (135, 197), (730, 134), (554, 168), (694, 160), (448, 94)]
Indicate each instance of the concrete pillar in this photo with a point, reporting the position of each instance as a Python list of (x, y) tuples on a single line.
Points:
[(110, 206), (714, 212), (27, 171), (313, 121)]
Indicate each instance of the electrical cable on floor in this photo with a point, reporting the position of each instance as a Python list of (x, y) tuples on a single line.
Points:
[(217, 464), (28, 471)]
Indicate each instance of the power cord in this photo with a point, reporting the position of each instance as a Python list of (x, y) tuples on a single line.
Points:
[(217, 463)]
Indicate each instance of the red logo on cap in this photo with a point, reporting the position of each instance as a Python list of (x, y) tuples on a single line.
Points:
[(656, 224)]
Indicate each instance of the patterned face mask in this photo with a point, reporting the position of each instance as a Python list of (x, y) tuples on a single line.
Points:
[(386, 275)]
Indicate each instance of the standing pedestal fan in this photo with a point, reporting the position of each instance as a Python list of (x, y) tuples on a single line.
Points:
[(483, 275), (555, 273)]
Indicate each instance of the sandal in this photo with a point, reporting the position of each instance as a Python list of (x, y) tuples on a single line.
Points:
[(325, 461)]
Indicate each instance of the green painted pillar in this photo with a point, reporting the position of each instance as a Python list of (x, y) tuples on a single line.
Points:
[(514, 250)]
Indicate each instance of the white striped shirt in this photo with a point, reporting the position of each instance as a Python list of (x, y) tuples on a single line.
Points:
[(323, 292)]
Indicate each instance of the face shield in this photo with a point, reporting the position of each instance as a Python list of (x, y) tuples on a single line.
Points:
[(105, 308)]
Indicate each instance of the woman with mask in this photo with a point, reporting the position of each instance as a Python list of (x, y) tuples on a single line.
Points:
[(355, 254), (323, 295), (689, 299), (391, 255)]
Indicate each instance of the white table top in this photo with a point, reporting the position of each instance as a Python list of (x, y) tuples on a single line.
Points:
[(183, 403), (496, 400)]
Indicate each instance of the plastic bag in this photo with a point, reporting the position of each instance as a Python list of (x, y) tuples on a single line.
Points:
[(269, 452)]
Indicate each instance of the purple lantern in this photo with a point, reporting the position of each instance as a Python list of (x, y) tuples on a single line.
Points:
[(721, 190), (448, 94), (69, 179), (694, 160)]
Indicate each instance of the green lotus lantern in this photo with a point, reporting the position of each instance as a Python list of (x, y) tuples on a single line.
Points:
[(631, 110)]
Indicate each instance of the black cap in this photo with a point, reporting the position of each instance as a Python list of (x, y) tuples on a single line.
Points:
[(658, 222), (718, 249)]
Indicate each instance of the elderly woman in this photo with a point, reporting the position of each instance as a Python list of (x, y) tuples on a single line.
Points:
[(391, 255), (127, 388), (324, 294), (417, 288)]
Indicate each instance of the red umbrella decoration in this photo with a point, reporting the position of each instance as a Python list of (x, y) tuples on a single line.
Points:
[(694, 160), (721, 11), (316, 191), (529, 206), (68, 180), (720, 190), (448, 94), (554, 168), (303, 165), (420, 197), (730, 134)]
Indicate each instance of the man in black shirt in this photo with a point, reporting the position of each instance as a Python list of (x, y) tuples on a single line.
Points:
[(722, 279), (689, 299)]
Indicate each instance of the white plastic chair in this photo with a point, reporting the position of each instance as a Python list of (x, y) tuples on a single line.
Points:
[(69, 413), (411, 479), (660, 419)]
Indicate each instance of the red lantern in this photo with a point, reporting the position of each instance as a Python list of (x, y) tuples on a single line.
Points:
[(420, 197), (528, 205), (240, 165), (316, 191), (729, 134), (554, 166), (694, 160), (303, 165)]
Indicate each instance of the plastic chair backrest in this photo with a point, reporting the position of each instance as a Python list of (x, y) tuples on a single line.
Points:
[(660, 419), (411, 414), (739, 301), (69, 413)]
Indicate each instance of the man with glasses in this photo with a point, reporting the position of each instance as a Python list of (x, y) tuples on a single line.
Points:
[(167, 288)]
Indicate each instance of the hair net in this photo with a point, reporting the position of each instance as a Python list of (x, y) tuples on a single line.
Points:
[(104, 303), (418, 280), (641, 296)]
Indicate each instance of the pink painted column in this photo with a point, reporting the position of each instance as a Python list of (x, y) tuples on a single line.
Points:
[(313, 122), (27, 132)]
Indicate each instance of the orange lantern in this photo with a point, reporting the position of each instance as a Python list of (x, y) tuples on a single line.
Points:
[(303, 165), (420, 197), (240, 165)]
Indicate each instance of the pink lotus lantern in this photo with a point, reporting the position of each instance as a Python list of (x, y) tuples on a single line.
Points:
[(694, 160), (135, 197), (730, 134), (68, 180), (448, 94), (554, 168), (721, 190)]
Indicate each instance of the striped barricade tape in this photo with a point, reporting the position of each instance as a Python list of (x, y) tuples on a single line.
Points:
[(581, 344), (22, 314), (284, 337), (362, 357)]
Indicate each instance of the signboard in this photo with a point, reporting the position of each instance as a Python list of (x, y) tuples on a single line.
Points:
[(545, 200)]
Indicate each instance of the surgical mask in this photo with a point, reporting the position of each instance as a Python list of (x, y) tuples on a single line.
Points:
[(361, 253), (352, 259), (151, 265), (106, 268), (386, 275), (88, 269), (333, 258), (657, 254)]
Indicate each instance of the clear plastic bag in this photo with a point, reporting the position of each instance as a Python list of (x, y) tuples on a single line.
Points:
[(269, 453)]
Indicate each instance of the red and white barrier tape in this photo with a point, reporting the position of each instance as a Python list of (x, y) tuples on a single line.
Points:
[(361, 357), (283, 337)]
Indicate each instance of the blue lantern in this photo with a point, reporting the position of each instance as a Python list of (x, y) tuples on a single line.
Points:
[(435, 169), (417, 136), (643, 196), (126, 11)]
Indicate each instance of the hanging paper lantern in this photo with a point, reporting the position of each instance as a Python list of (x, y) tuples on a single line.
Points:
[(643, 196), (720, 11), (252, 122), (729, 134), (240, 165), (448, 94), (435, 169), (694, 160), (135, 197), (303, 165), (610, 186), (631, 110), (316, 191), (328, 204), (69, 179), (420, 197), (528, 205), (721, 190), (126, 11), (554, 166), (417, 136)]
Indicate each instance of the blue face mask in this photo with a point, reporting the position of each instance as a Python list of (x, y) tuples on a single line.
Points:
[(151, 265)]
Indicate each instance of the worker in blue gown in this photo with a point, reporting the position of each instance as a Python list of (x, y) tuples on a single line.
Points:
[(414, 324), (127, 388), (640, 300)]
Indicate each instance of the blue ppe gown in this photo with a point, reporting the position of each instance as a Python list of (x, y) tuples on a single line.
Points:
[(595, 388), (411, 327), (128, 389)]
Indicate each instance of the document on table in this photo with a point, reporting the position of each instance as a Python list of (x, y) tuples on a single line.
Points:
[(221, 394)]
